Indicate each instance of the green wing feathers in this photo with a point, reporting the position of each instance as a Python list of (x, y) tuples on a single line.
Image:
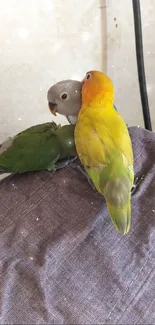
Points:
[(38, 148), (115, 181)]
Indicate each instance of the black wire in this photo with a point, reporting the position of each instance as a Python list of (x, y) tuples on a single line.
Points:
[(140, 64)]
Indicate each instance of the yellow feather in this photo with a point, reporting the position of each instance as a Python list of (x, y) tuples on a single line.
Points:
[(99, 131)]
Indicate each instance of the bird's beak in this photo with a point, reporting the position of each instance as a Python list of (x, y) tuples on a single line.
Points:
[(52, 107)]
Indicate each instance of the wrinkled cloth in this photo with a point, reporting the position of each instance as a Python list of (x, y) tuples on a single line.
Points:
[(62, 261)]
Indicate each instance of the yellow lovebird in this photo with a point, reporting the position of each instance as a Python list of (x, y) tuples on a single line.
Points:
[(104, 147)]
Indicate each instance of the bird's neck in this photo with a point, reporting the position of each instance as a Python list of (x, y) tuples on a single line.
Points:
[(95, 96), (100, 104), (72, 119)]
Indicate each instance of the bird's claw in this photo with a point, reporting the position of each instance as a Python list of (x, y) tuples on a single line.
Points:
[(65, 163), (137, 181)]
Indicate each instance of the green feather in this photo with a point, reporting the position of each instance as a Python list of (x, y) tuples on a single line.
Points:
[(115, 181), (40, 147), (120, 216)]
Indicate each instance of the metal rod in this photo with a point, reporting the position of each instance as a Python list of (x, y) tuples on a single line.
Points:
[(140, 64)]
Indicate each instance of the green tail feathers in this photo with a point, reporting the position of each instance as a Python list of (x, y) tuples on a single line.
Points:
[(120, 217)]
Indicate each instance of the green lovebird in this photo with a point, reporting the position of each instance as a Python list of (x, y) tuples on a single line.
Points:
[(46, 146)]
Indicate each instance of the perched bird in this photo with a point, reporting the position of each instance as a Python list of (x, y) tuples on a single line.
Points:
[(46, 146), (104, 147)]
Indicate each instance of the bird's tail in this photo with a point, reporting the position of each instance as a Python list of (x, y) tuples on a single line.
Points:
[(120, 217)]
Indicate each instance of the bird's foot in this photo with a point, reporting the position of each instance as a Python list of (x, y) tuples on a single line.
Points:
[(65, 162), (61, 164), (137, 181)]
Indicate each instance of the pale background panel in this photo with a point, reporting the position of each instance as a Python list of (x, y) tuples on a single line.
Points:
[(47, 41), (121, 57)]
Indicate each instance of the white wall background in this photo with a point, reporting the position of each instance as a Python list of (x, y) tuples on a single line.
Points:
[(121, 57), (44, 41)]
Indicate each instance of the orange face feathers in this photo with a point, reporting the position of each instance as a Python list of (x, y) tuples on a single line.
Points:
[(96, 87)]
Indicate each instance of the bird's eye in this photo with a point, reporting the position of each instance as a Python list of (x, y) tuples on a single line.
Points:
[(88, 76), (63, 96)]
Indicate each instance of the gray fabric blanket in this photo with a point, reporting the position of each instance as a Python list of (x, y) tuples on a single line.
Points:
[(62, 262)]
